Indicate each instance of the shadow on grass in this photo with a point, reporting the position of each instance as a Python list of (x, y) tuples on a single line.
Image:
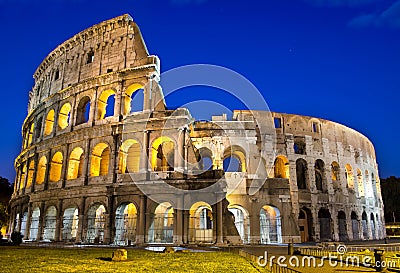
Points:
[(104, 259)]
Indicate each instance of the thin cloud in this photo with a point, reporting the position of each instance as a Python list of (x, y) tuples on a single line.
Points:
[(341, 3), (390, 17)]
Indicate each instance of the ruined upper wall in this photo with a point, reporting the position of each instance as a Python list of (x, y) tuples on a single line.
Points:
[(109, 46)]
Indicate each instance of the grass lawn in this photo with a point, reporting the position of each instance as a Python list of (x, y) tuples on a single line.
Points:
[(31, 259)]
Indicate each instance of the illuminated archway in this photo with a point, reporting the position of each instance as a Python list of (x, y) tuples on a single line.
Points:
[(201, 223), (75, 163), (96, 224), (31, 171), (100, 160), (56, 167), (234, 159), (129, 157), (349, 176), (22, 176), (162, 225), (125, 224), (41, 172), (49, 123), (34, 228), (30, 135), (64, 116), (162, 156), (70, 224), (270, 225), (281, 167), (105, 104), (133, 99), (50, 220), (242, 222)]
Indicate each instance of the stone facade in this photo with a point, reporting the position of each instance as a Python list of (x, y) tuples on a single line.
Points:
[(97, 168)]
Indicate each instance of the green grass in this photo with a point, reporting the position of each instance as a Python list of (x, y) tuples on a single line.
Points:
[(31, 259)]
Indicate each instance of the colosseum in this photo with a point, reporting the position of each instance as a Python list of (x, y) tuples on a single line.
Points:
[(104, 161)]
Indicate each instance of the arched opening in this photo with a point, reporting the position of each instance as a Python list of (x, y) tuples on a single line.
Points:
[(234, 159), (30, 134), (270, 225), (50, 220), (319, 168), (100, 160), (335, 171), (70, 224), (16, 222), (125, 224), (305, 225), (342, 226), (34, 228), (364, 223), (354, 226), (201, 223), (162, 225), (129, 157), (163, 152), (242, 222), (56, 167), (41, 171), (38, 128), (301, 174), (281, 167), (373, 226), (206, 159), (133, 99), (49, 123), (64, 116), (349, 176), (83, 110), (75, 163), (23, 223), (22, 176), (31, 171), (360, 183), (368, 185), (325, 231), (106, 104), (96, 224)]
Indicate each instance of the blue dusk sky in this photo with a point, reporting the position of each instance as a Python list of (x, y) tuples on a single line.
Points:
[(334, 59)]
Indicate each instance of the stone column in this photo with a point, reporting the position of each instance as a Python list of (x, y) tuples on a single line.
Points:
[(65, 166), (36, 158), (41, 221), (28, 222), (47, 172), (86, 167), (108, 230), (81, 221), (141, 231), (179, 221), (59, 221), (179, 155), (220, 236), (186, 219)]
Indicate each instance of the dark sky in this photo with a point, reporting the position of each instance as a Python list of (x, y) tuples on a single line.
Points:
[(334, 59)]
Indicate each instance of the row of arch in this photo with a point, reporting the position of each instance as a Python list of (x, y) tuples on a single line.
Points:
[(365, 184), (162, 158), (105, 106), (366, 228), (160, 229)]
